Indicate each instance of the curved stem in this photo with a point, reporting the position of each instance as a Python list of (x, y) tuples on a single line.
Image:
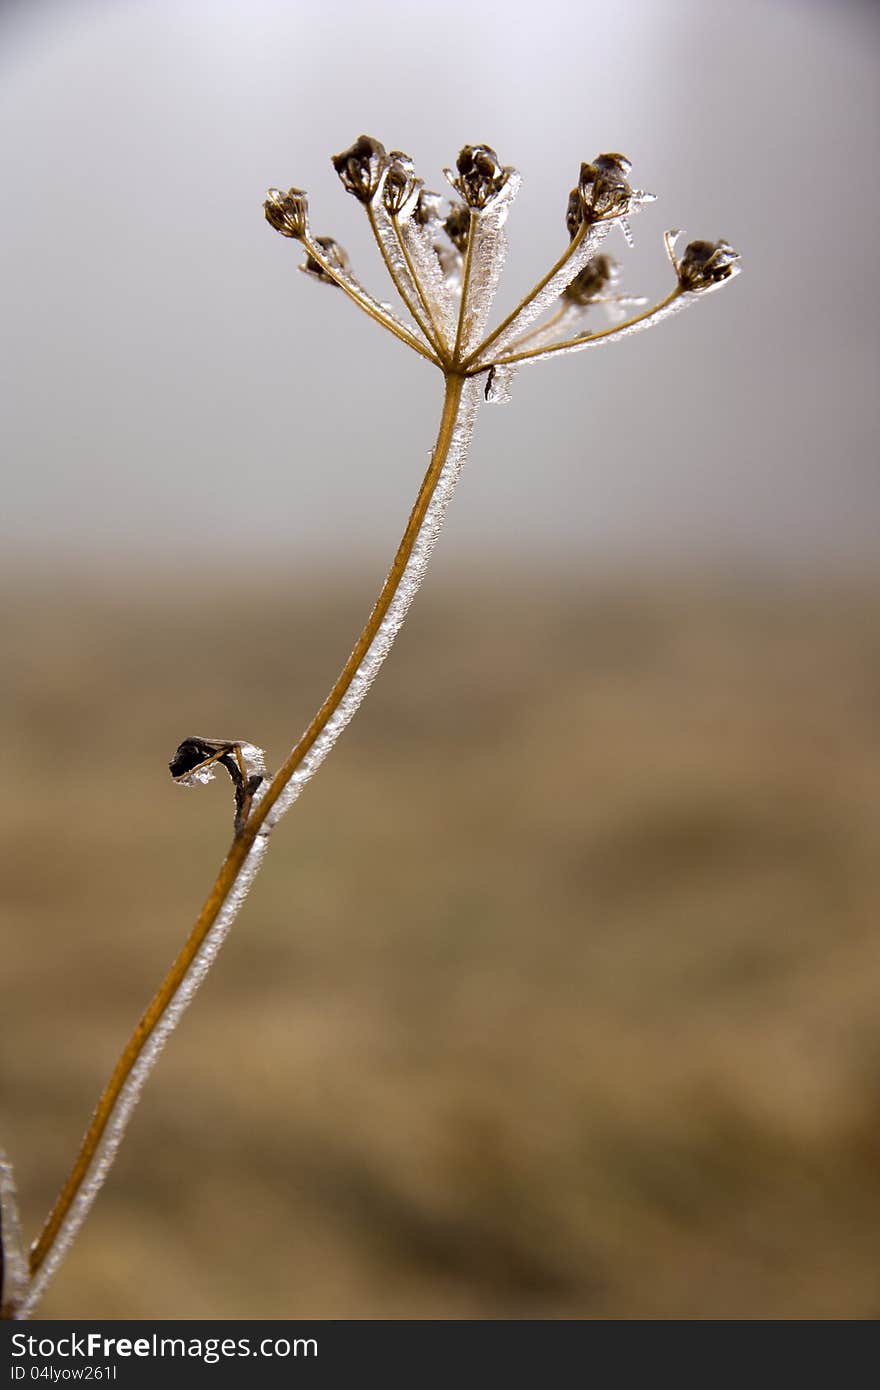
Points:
[(105, 1132)]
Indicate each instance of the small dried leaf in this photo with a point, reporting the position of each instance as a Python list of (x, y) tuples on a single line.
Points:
[(196, 760)]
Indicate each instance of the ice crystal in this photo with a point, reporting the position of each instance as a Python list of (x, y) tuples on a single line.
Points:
[(15, 1273)]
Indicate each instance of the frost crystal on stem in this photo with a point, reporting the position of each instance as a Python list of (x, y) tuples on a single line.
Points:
[(444, 264), (14, 1272)]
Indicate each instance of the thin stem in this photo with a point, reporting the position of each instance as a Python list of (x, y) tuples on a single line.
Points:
[(465, 284), (105, 1131), (532, 294), (585, 339), (398, 283), (367, 303), (451, 406), (437, 337), (14, 1276), (541, 327)]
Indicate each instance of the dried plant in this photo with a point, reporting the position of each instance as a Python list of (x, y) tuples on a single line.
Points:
[(445, 262)]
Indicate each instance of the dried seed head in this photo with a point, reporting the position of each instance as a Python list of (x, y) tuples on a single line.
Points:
[(614, 165), (288, 212), (598, 275), (706, 264), (427, 208), (603, 192), (480, 177), (401, 184), (603, 187), (574, 214), (361, 167), (457, 226), (333, 254)]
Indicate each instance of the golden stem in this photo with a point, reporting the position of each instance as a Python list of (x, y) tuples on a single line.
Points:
[(398, 284), (532, 294), (241, 845), (603, 333), (362, 300), (539, 327), (465, 284), (438, 336)]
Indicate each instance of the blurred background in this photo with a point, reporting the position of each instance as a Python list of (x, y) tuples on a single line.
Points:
[(558, 993)]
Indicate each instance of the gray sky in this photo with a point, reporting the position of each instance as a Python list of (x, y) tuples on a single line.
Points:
[(170, 381)]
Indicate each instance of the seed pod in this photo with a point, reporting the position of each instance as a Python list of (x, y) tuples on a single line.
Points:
[(361, 167), (597, 275), (706, 264), (457, 226), (288, 212), (400, 184), (480, 177)]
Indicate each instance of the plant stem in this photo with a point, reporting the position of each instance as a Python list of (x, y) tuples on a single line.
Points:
[(106, 1130), (14, 1277), (359, 296), (465, 284), (395, 278), (533, 293), (437, 337), (673, 301)]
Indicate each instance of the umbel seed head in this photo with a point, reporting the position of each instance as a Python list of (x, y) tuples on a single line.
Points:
[(480, 177), (427, 208), (596, 277), (706, 264), (603, 188), (401, 184), (288, 212), (457, 226), (361, 167), (444, 260)]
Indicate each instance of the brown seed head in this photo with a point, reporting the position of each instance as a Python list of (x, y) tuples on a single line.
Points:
[(288, 212), (705, 264), (596, 277), (400, 184), (457, 226), (361, 167), (480, 177)]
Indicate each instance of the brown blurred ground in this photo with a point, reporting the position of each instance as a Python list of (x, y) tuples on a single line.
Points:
[(558, 994)]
